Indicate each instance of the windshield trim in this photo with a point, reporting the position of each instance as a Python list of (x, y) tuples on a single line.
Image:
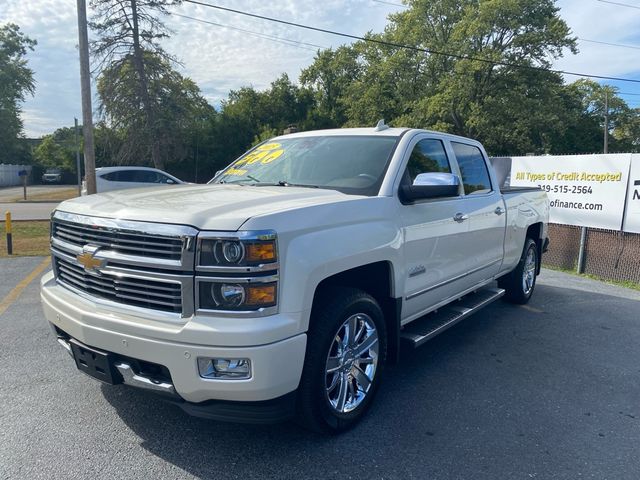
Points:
[(371, 191)]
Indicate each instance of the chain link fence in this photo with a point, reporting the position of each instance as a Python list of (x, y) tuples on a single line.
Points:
[(609, 254)]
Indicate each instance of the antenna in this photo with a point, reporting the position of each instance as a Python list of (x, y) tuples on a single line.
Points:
[(380, 126)]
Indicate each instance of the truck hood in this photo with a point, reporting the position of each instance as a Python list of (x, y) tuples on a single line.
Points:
[(207, 207)]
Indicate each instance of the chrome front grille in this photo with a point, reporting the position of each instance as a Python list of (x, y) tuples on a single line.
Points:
[(121, 241), (158, 295), (136, 264)]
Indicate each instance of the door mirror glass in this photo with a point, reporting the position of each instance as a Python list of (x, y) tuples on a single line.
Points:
[(431, 185)]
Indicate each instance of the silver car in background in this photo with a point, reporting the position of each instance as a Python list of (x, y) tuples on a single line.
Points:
[(119, 178)]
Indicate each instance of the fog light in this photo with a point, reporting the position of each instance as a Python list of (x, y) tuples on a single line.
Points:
[(225, 368)]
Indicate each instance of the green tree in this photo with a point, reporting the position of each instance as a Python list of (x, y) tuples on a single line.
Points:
[(249, 116), (628, 131), (51, 153), (16, 81), (177, 103), (329, 77), (488, 87), (592, 98), (129, 31)]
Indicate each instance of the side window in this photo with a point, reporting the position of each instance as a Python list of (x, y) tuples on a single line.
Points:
[(146, 176), (125, 176), (119, 176), (427, 156), (475, 176)]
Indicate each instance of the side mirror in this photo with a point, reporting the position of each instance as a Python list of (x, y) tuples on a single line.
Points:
[(431, 185), (170, 182)]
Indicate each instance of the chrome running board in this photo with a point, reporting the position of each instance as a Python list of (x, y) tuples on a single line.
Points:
[(419, 331)]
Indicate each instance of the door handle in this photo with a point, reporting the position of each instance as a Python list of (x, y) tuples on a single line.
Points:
[(460, 217), (499, 211)]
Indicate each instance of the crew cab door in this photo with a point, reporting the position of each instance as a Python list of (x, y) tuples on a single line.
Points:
[(484, 209), (435, 243)]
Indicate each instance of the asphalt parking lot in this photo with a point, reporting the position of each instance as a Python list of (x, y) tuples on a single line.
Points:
[(549, 390)]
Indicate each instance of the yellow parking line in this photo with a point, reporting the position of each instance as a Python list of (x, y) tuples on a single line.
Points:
[(15, 293)]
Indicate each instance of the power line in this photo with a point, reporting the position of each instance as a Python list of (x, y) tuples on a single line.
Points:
[(625, 93), (410, 47), (391, 3), (285, 41), (635, 47), (620, 4)]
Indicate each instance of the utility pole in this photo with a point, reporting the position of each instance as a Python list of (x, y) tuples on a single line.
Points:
[(85, 86), (605, 149), (75, 121), (606, 121)]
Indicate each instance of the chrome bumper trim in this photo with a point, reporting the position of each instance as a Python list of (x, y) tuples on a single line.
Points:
[(129, 377), (133, 379), (66, 345)]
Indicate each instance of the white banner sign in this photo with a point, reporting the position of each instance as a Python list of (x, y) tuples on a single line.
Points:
[(584, 190), (632, 211)]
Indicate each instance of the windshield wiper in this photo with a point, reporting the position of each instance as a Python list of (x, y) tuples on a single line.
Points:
[(283, 183), (241, 180)]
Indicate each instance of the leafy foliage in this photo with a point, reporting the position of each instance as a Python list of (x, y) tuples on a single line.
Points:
[(57, 150), (490, 88), (16, 82), (129, 32), (177, 102)]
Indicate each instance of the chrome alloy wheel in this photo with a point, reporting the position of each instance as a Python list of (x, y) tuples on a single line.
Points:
[(351, 363), (529, 272)]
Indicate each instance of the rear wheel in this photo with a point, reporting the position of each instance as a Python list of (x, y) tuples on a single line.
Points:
[(519, 284), (346, 348)]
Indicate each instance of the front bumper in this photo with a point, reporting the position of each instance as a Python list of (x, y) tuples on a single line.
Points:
[(259, 412), (276, 366)]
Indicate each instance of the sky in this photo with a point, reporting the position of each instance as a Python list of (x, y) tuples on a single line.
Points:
[(221, 59)]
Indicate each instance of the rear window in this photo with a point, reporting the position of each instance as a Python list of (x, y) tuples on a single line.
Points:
[(475, 176)]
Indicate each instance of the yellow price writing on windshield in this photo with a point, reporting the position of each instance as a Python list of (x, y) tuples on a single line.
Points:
[(266, 153), (235, 171)]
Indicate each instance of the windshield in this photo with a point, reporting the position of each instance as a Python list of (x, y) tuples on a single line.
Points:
[(350, 164)]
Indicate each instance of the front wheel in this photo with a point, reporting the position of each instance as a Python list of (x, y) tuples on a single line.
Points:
[(346, 348), (519, 284)]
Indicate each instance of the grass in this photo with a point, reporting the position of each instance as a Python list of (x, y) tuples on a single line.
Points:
[(619, 283), (29, 238), (54, 196)]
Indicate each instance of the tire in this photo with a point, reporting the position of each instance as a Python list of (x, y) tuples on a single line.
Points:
[(334, 365), (520, 283)]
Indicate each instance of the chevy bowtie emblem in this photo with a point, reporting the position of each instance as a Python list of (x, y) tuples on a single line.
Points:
[(88, 260)]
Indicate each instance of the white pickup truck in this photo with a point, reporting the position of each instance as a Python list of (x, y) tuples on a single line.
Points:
[(282, 288)]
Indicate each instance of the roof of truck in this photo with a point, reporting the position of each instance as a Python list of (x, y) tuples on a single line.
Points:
[(386, 132)]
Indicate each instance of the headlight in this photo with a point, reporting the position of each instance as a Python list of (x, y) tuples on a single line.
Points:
[(227, 295), (249, 249)]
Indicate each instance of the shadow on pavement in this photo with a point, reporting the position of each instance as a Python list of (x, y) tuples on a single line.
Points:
[(549, 389)]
